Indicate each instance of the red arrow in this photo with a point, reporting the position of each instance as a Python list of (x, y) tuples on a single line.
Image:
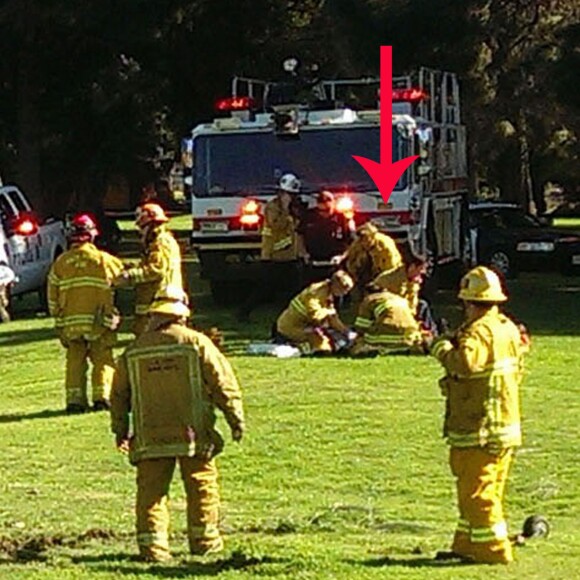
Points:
[(386, 173)]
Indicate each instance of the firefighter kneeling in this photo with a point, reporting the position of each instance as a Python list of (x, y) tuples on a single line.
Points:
[(483, 364), (385, 322), (170, 380), (311, 321)]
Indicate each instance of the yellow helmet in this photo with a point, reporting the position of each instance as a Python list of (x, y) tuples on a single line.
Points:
[(481, 285), (170, 300), (150, 213), (367, 229)]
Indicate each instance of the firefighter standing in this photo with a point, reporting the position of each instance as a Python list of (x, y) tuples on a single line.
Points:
[(371, 254), (312, 314), (483, 364), (81, 299), (169, 381), (280, 248), (325, 234), (160, 265)]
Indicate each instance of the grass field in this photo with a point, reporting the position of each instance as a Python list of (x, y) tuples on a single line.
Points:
[(343, 473)]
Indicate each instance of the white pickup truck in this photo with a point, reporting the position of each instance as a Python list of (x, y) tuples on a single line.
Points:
[(28, 244)]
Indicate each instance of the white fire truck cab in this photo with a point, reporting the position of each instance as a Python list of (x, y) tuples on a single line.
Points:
[(233, 165)]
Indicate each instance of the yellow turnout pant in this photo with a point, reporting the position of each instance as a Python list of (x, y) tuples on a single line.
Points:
[(202, 492), (317, 341), (481, 476), (100, 353)]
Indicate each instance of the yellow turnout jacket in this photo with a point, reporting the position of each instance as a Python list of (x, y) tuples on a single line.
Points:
[(385, 319), (483, 364), (80, 296), (169, 381), (279, 241), (160, 266), (312, 307)]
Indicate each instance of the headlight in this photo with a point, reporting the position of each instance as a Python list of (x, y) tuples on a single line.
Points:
[(536, 247)]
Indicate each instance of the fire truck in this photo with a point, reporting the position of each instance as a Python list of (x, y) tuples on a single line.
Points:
[(267, 129)]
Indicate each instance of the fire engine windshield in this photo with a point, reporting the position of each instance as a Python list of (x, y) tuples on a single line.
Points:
[(230, 164)]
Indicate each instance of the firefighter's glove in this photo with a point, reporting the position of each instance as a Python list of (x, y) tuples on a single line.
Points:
[(238, 432), (444, 386), (114, 322), (123, 443), (525, 337), (440, 347), (122, 280), (208, 447)]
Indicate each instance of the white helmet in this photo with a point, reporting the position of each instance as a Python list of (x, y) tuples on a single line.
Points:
[(290, 183)]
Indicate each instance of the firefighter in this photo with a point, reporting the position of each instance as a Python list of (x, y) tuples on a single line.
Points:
[(325, 234), (483, 365), (310, 319), (169, 381), (280, 248), (407, 281), (81, 299), (385, 321), (160, 264), (371, 254)]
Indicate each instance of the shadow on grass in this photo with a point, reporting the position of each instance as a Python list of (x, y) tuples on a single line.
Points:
[(45, 414), (130, 566), (15, 337), (418, 562)]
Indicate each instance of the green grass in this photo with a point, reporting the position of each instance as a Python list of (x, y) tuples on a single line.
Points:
[(343, 473), (179, 223)]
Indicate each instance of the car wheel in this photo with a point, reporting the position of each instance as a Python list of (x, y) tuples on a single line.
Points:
[(501, 261)]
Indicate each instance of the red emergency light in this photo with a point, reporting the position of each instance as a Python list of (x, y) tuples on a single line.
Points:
[(411, 95), (250, 213), (234, 104), (24, 225)]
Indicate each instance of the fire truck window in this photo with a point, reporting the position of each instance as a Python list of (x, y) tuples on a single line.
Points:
[(236, 163)]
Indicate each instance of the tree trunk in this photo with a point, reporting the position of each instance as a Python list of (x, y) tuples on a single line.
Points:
[(526, 185)]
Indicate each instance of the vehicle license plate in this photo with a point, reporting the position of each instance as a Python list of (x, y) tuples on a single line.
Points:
[(214, 226)]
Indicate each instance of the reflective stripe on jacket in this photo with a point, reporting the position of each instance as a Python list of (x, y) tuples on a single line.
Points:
[(385, 319), (169, 382), (484, 371), (79, 291), (397, 282), (160, 266)]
